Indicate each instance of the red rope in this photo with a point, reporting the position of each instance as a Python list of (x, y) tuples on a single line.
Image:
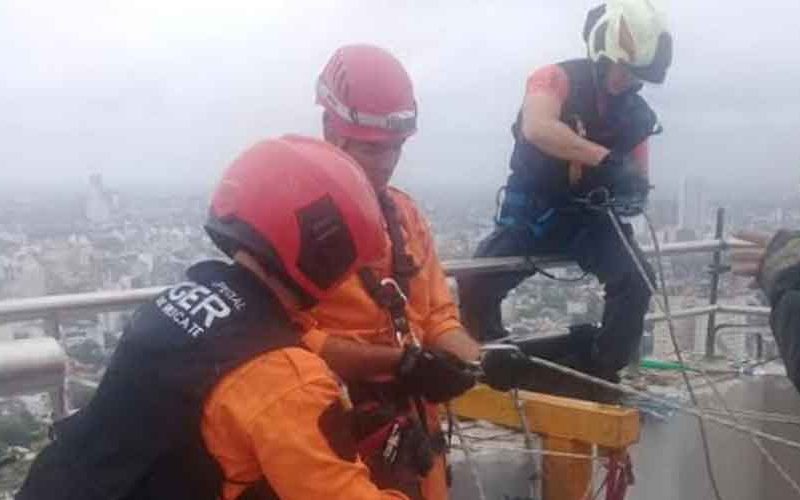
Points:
[(619, 476)]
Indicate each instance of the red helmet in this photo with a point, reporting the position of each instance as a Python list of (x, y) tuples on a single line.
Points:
[(301, 207), (368, 94)]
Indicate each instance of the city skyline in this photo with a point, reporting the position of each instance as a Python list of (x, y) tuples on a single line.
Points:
[(157, 94)]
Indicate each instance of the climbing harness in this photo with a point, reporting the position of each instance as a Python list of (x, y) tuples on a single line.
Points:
[(521, 202)]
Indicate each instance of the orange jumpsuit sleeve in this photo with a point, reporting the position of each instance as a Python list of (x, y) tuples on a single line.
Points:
[(442, 314), (297, 459), (313, 338), (274, 425)]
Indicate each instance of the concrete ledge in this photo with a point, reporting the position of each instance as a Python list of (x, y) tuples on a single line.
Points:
[(31, 365)]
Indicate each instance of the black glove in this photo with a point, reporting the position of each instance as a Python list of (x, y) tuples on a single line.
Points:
[(437, 376), (504, 369), (604, 174), (617, 173), (632, 120)]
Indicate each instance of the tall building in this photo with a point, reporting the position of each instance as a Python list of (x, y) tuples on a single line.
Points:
[(99, 201), (693, 203)]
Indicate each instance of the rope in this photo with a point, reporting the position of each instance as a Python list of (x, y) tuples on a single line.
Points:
[(778, 418), (665, 309), (673, 338), (526, 432), (473, 467), (599, 489), (665, 402)]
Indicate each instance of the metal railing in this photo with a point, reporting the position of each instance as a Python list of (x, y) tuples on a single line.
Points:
[(33, 366), (32, 360), (49, 307)]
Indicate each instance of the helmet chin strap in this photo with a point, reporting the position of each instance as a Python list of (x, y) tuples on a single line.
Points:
[(600, 75)]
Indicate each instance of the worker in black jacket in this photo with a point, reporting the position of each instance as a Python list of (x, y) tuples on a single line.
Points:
[(581, 148)]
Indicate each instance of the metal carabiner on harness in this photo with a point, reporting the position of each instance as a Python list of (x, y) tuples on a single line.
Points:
[(601, 198), (394, 300), (598, 198)]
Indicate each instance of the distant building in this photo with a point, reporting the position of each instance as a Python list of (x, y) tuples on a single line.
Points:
[(25, 277), (693, 203), (100, 202), (686, 234), (663, 212)]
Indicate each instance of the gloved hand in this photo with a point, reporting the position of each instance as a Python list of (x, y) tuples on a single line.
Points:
[(633, 121), (437, 376), (630, 184), (617, 173), (504, 369), (604, 174)]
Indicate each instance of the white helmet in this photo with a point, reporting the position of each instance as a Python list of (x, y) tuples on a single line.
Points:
[(633, 33)]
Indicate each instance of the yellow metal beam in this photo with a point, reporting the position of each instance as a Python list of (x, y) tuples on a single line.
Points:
[(566, 478), (607, 426)]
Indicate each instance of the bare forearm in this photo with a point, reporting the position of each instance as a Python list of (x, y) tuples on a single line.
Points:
[(557, 139), (459, 343), (542, 126), (352, 360)]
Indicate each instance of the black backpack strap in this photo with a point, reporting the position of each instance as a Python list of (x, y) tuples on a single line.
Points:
[(403, 268), (388, 295), (392, 293)]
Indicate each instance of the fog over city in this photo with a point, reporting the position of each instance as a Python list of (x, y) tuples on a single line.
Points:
[(153, 93), (118, 118)]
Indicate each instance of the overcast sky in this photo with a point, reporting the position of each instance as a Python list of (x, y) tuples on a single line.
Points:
[(168, 91)]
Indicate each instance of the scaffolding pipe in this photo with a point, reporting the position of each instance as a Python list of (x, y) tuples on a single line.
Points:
[(716, 271)]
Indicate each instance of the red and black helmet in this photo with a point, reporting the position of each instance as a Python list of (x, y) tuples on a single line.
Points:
[(301, 207)]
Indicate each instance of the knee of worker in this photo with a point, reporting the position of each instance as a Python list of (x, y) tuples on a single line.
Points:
[(480, 298), (487, 288), (631, 288), (478, 295), (506, 241), (599, 250)]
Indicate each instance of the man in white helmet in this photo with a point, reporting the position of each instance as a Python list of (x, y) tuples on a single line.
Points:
[(581, 135)]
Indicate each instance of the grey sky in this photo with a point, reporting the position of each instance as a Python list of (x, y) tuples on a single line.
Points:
[(161, 91)]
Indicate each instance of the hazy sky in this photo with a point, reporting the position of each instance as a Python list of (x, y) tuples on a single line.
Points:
[(161, 92)]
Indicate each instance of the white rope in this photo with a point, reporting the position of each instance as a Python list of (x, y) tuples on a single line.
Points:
[(526, 432), (712, 477), (473, 467), (778, 418), (665, 309), (665, 402)]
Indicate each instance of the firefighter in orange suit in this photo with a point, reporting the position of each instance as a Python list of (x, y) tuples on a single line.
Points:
[(398, 310)]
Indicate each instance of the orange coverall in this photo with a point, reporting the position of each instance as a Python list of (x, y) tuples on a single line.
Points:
[(431, 311), (263, 420)]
